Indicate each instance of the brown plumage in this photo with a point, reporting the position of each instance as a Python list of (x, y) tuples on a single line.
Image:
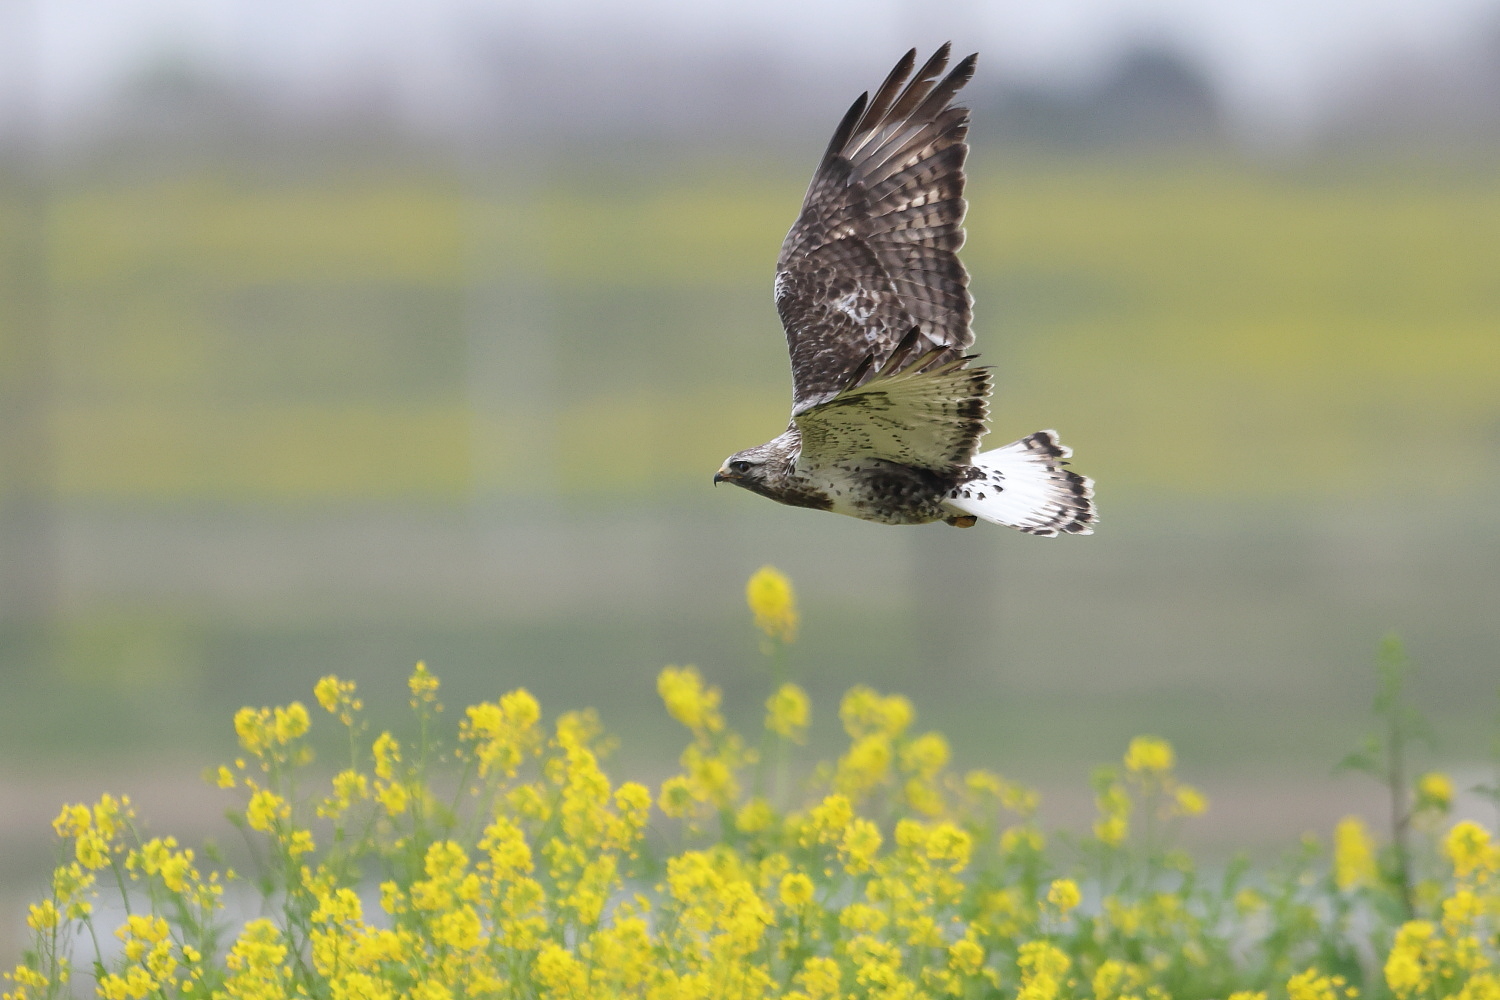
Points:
[(874, 251)]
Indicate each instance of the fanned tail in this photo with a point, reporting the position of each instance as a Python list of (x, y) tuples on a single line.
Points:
[(1027, 485)]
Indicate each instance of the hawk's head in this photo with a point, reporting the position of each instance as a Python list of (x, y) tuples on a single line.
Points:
[(762, 469)]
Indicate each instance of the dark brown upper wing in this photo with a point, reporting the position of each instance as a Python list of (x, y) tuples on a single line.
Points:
[(874, 252)]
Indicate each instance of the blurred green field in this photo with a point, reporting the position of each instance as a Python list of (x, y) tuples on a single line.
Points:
[(1203, 328), (343, 421)]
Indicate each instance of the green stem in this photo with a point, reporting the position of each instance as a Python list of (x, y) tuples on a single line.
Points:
[(1400, 814), (772, 753), (778, 680)]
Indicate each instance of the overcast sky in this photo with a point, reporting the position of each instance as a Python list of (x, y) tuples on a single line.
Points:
[(1277, 61)]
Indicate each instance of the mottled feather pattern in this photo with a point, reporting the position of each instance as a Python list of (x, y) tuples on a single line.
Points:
[(882, 221), (927, 419)]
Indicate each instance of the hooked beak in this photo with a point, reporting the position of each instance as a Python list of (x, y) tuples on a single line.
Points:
[(725, 475)]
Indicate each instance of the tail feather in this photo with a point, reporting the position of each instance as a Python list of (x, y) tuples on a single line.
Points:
[(1026, 485)]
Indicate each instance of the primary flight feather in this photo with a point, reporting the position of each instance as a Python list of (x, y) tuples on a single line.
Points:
[(886, 411)]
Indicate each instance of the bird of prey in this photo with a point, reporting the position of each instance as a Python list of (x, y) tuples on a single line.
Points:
[(887, 411)]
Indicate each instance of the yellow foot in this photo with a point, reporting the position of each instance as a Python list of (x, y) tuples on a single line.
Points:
[(961, 520)]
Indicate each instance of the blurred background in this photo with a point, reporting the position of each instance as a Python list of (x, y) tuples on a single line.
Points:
[(336, 335)]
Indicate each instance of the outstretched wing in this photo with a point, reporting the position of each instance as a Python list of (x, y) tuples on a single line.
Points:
[(874, 252), (928, 414)]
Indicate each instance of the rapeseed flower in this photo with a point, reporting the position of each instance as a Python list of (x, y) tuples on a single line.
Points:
[(1434, 792), (796, 890), (1469, 849), (1312, 985), (1149, 755), (423, 686), (265, 810), (688, 700), (773, 603), (1064, 896), (755, 816), (1353, 854), (1043, 967), (1190, 801), (788, 712), (882, 875)]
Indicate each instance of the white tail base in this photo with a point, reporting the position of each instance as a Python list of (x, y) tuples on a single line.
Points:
[(1026, 485)]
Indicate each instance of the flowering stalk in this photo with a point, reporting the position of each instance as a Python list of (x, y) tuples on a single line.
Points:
[(773, 604)]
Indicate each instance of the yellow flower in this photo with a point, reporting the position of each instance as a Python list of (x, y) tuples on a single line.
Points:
[(1311, 985), (348, 787), (1149, 755), (755, 816), (1064, 895), (256, 962), (91, 850), (866, 765), (796, 890), (1115, 979), (865, 712), (73, 821), (503, 734), (688, 701), (827, 821), (926, 755), (676, 798), (225, 777), (1114, 805), (326, 691), (1408, 968), (253, 727), (787, 712), (1468, 847), (1353, 854), (773, 604), (820, 978), (387, 754), (965, 956), (859, 845), (110, 814), (560, 973), (69, 884), (1043, 966), (42, 916), (264, 809), (946, 842), (289, 722), (863, 919), (1022, 840), (337, 698), (1434, 791), (393, 797), (159, 856), (424, 686), (1112, 830), (1190, 801)]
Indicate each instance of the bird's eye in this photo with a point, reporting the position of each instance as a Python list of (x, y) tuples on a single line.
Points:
[(740, 466)]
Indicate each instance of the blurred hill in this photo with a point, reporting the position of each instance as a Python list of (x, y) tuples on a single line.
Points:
[(500, 87)]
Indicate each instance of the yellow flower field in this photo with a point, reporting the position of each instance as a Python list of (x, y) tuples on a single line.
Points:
[(498, 858)]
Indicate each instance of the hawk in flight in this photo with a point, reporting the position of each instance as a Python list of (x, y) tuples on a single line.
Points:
[(886, 411)]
